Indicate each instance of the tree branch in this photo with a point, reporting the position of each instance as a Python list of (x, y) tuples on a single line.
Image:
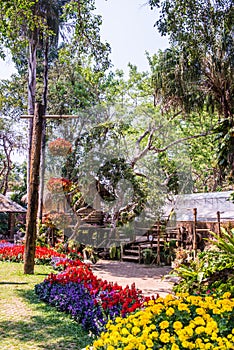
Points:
[(159, 150)]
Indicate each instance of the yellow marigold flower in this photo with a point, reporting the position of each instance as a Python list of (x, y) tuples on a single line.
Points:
[(216, 311), (177, 325), (198, 342), (135, 322), (200, 311), (135, 330), (168, 297), (188, 345), (170, 311), (175, 347), (146, 331), (141, 347), (98, 343), (207, 317), (189, 331), (143, 337), (164, 324), (183, 307), (124, 331), (165, 337), (153, 335), (214, 336), (226, 295), (110, 347), (128, 325), (182, 335), (159, 300), (229, 345), (157, 309), (107, 341), (172, 339), (199, 321), (200, 330), (149, 343), (209, 300)]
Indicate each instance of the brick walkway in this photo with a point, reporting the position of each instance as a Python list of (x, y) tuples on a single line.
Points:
[(147, 278)]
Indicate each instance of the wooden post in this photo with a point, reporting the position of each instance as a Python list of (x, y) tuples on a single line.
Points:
[(219, 226), (195, 231), (31, 218), (11, 224)]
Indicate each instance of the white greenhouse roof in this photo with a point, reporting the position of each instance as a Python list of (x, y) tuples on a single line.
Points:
[(207, 205)]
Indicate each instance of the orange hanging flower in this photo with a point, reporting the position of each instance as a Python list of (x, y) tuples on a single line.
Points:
[(58, 185), (55, 219), (60, 147)]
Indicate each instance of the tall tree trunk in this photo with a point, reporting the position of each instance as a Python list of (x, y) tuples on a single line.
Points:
[(43, 143), (32, 64), (31, 218)]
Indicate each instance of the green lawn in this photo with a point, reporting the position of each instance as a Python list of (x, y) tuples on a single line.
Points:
[(27, 323)]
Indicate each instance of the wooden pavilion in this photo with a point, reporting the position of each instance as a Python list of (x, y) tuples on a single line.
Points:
[(11, 208)]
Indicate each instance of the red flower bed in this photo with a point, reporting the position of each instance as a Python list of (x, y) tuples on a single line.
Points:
[(15, 253), (111, 296)]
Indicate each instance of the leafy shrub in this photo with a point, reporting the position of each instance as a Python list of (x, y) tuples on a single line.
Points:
[(209, 272)]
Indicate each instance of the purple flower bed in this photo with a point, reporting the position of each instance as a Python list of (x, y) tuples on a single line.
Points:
[(75, 299), (4, 244)]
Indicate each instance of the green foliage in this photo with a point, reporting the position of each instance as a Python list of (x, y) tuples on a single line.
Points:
[(89, 166), (225, 242), (18, 183), (148, 255), (115, 252), (196, 72), (209, 272)]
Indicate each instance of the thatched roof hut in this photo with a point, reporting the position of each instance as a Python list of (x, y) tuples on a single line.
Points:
[(8, 206)]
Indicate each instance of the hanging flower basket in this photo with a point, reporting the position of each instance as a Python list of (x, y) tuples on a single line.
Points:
[(57, 220), (58, 185), (60, 147)]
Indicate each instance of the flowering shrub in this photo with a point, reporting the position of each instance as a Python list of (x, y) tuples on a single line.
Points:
[(58, 185), (15, 253), (173, 323), (112, 299), (60, 147), (55, 219)]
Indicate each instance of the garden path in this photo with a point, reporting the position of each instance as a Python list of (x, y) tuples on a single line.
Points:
[(147, 278)]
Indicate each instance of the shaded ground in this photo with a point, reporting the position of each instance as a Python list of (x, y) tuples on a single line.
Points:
[(29, 324), (148, 278)]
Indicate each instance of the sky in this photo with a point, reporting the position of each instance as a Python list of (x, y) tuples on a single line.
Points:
[(128, 26)]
